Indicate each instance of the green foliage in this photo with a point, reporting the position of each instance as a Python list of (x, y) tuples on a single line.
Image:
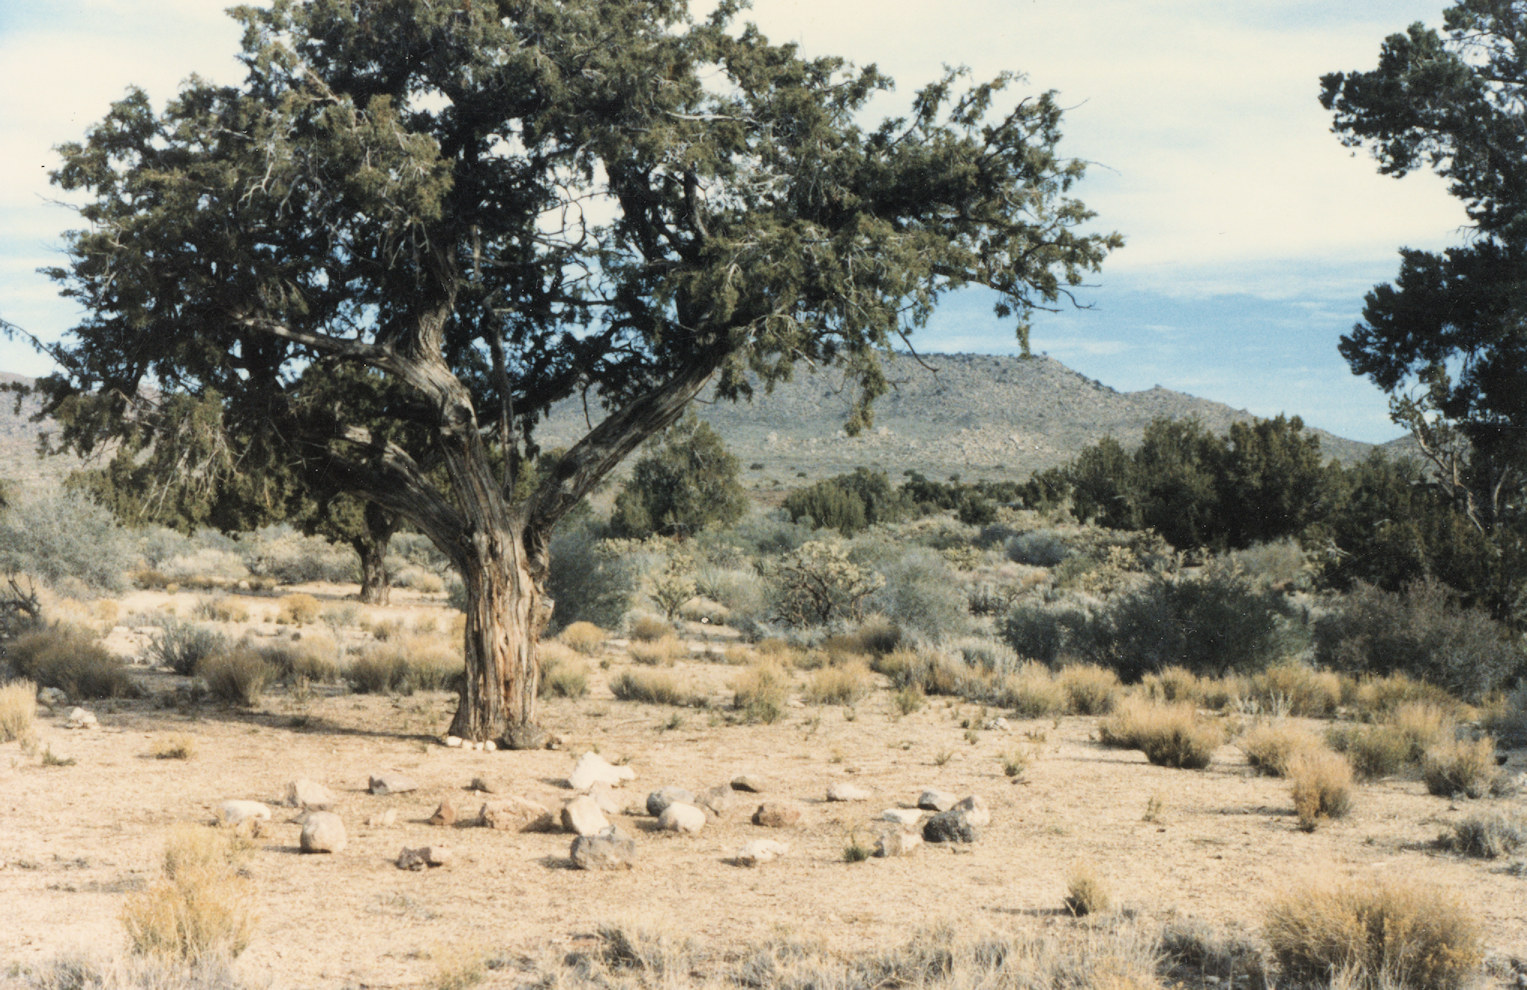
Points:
[(847, 503), (818, 583), (686, 482), (1420, 632), (587, 583), (64, 536), (922, 596)]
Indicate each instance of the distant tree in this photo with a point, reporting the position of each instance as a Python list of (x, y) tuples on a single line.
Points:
[(1176, 470), (847, 502), (1102, 485), (493, 207), (686, 482), (1272, 482)]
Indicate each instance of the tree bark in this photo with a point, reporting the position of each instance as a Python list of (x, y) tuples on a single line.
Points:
[(371, 547)]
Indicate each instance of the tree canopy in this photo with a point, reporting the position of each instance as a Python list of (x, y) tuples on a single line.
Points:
[(415, 215), (686, 482)]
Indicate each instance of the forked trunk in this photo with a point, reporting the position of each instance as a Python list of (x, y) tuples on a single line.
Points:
[(375, 586), (504, 620)]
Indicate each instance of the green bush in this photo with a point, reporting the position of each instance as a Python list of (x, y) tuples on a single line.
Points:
[(1038, 633), (1420, 632), (685, 482), (922, 595), (848, 502), (181, 645), (587, 583), (818, 583), (72, 660)]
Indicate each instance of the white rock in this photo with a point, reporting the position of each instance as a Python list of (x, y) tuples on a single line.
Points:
[(592, 769), (604, 796), (760, 851), (323, 832), (81, 719), (517, 814), (582, 816), (391, 783), (454, 742), (235, 812), (489, 746), (936, 800), (383, 819), (52, 697), (897, 843), (309, 795), (842, 791), (976, 811), (902, 816), (425, 856), (683, 818)]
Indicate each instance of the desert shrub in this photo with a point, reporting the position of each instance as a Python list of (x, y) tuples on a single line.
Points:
[(922, 595), (71, 660), (1375, 934), (1374, 750), (314, 657), (237, 676), (63, 536), (908, 699), (563, 675), (652, 686), (434, 663), (1174, 684), (878, 635), (378, 671), (1086, 891), (1420, 632), (1035, 632), (1089, 690), (760, 692), (662, 652), (175, 746), (1487, 836), (18, 711), (285, 555), (1381, 695), (584, 637), (841, 685), (1294, 689), (222, 608), (1125, 725), (986, 655), (403, 666), (646, 627), (180, 646), (1271, 747), (1506, 719), (1193, 949), (1037, 548), (1278, 564), (818, 584), (1466, 767), (587, 581), (930, 671), (1423, 725), (740, 592), (418, 579), (201, 907), (297, 610), (1031, 692), (1321, 784), (1168, 735)]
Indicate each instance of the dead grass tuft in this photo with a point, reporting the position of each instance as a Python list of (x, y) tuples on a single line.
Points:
[(1269, 747), (1454, 767), (1086, 891), (563, 675), (1379, 934), (1031, 692), (843, 685), (238, 676), (1373, 750), (72, 660), (176, 746), (1169, 735), (647, 628), (1487, 836), (297, 610), (201, 907), (18, 712), (1294, 689), (585, 637), (652, 686), (1321, 785), (1090, 689), (660, 652), (760, 692)]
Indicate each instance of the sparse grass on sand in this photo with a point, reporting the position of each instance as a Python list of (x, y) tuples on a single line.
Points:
[(200, 906)]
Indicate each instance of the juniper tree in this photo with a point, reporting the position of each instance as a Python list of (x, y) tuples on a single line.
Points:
[(496, 205)]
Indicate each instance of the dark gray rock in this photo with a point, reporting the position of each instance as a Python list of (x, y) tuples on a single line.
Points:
[(953, 825), (610, 849)]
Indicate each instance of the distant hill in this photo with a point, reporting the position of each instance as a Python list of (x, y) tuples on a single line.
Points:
[(979, 416)]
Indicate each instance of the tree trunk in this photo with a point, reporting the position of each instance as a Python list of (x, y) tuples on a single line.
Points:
[(371, 547), (504, 622)]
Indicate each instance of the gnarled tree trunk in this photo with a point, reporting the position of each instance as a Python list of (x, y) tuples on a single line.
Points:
[(371, 547)]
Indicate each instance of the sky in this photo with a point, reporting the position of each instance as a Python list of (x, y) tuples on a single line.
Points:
[(1252, 234)]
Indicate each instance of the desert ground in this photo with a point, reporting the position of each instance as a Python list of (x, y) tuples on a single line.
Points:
[(83, 829)]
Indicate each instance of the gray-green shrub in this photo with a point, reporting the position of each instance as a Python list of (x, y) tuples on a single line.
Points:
[(182, 645), (65, 535), (70, 659)]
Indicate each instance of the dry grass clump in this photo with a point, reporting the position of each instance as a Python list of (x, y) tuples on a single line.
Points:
[(929, 671), (760, 692), (72, 660), (655, 687), (645, 627), (1378, 934), (1090, 689), (413, 663), (660, 652), (1487, 836), (1270, 747), (563, 675), (585, 637), (175, 746), (1169, 735), (297, 610), (1031, 692), (1423, 725), (222, 608), (841, 685), (1374, 751), (1321, 784), (1381, 695), (1086, 892), (1294, 689), (201, 907), (314, 658), (238, 676), (1173, 684), (18, 712), (1456, 766)]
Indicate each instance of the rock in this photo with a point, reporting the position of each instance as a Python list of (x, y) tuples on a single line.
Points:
[(976, 811), (778, 814), (760, 851), (935, 800), (582, 816), (489, 746), (897, 843), (391, 783), (445, 814), (555, 742), (663, 797), (604, 796), (610, 849), (235, 812), (309, 796), (383, 819), (841, 791), (323, 832), (454, 742), (950, 826), (592, 769), (52, 697), (998, 724), (682, 818), (715, 800), (516, 814), (524, 736), (424, 856), (81, 719), (479, 784), (749, 782), (902, 816)]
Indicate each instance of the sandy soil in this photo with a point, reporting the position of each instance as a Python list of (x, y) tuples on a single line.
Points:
[(75, 840)]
